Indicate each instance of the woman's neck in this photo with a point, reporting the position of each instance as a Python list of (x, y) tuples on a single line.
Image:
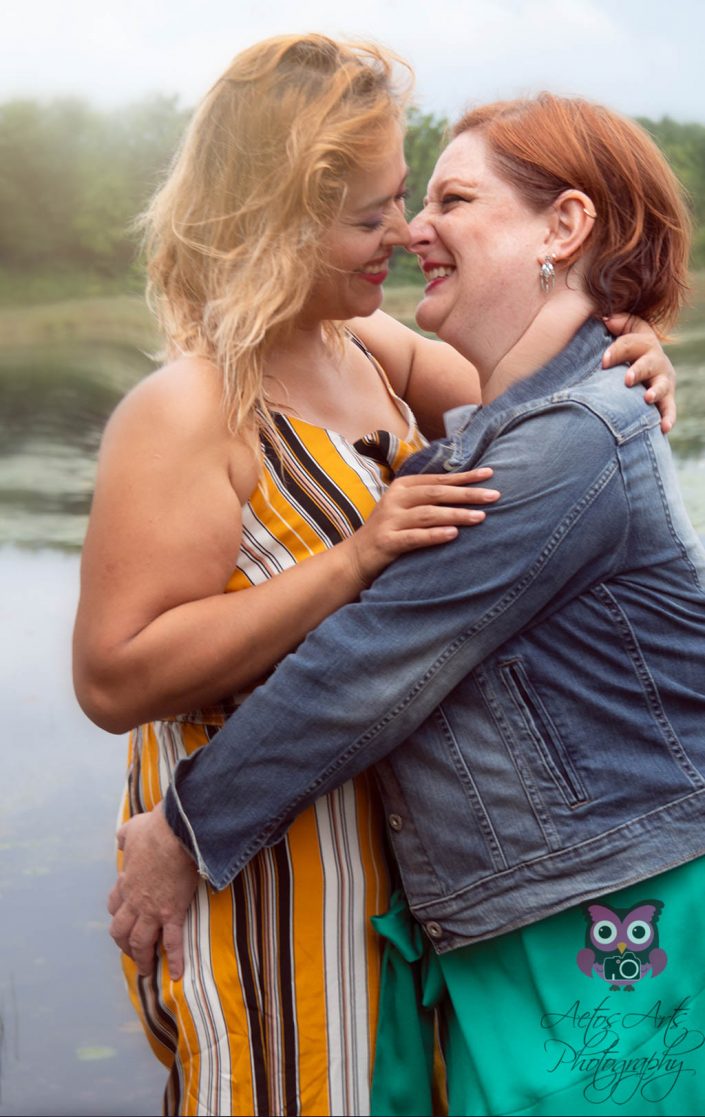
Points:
[(556, 322), (301, 360)]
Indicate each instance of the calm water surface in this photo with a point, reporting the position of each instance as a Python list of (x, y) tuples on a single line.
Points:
[(68, 1040)]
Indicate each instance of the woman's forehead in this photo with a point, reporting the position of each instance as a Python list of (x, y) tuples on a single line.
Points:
[(465, 157), (376, 185)]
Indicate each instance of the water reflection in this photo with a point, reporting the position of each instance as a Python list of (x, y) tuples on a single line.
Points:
[(55, 400)]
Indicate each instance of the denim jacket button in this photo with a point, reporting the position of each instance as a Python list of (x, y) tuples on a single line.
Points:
[(396, 822), (434, 930)]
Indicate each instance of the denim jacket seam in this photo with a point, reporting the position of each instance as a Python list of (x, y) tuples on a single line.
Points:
[(649, 688), (440, 457), (192, 849), (578, 847), (669, 519), (459, 453), (484, 821), (621, 434)]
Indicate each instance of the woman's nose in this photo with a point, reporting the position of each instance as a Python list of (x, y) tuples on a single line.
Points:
[(420, 232), (397, 230)]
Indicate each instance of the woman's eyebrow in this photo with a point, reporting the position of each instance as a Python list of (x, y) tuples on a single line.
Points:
[(451, 184), (384, 201)]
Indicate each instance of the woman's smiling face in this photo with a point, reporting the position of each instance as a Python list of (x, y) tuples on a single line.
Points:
[(479, 245), (359, 244)]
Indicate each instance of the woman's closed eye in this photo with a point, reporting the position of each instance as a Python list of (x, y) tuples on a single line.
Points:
[(373, 223)]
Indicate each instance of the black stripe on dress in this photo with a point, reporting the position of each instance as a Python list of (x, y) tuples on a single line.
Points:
[(320, 480), (380, 447), (287, 977), (251, 998)]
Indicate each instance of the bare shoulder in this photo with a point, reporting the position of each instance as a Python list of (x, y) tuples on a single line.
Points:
[(183, 397), (174, 423)]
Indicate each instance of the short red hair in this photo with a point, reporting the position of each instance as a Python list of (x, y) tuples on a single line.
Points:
[(637, 253)]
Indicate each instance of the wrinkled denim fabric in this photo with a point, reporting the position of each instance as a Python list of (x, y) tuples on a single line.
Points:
[(533, 693)]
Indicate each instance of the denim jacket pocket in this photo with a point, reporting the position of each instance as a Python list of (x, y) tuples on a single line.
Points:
[(543, 733)]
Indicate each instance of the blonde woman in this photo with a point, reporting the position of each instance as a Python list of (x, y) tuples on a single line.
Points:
[(268, 438), (247, 453)]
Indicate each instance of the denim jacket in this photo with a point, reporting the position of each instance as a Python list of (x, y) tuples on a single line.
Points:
[(543, 676)]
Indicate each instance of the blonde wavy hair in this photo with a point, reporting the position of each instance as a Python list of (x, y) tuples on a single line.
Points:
[(233, 238)]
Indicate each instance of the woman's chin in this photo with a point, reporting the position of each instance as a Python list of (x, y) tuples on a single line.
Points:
[(426, 318)]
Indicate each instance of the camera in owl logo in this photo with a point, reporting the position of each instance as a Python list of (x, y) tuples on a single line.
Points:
[(622, 967)]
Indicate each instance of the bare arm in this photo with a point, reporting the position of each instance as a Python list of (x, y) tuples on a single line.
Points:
[(431, 376), (155, 632)]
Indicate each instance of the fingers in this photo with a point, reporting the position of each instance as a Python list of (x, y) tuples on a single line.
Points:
[(430, 526), (648, 365), (420, 510), (466, 477), (667, 407), (431, 511), (142, 941), (173, 943), (448, 504), (115, 898), (647, 360), (413, 539), (627, 324), (439, 515), (439, 489), (137, 937), (629, 348), (668, 416), (661, 392)]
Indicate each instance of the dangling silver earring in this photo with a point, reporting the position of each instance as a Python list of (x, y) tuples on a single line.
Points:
[(547, 275)]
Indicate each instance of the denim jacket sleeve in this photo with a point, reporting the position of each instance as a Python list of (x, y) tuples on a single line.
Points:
[(373, 671)]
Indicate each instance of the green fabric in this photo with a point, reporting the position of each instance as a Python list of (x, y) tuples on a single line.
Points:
[(525, 1031), (405, 1051)]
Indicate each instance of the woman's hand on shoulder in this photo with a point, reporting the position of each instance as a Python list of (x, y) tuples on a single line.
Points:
[(638, 346), (418, 510)]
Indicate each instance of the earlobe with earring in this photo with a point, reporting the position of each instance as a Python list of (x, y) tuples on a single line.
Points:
[(547, 274)]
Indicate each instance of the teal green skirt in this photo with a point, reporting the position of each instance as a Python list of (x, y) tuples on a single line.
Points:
[(597, 1010)]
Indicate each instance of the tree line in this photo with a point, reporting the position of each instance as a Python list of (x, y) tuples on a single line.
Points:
[(73, 177)]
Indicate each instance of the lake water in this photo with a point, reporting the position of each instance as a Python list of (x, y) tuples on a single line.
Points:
[(68, 1040), (69, 1043)]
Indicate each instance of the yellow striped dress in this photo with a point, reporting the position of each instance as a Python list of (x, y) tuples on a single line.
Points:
[(277, 1010)]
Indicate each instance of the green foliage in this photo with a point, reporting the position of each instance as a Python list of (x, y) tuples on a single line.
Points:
[(72, 179), (425, 137), (684, 147)]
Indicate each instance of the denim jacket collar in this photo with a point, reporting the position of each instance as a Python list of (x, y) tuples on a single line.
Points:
[(469, 427)]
